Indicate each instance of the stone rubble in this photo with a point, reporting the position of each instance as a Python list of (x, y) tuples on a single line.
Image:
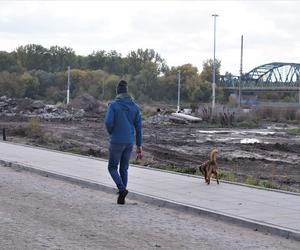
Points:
[(27, 108)]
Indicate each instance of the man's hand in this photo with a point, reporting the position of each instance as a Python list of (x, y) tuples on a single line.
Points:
[(139, 153)]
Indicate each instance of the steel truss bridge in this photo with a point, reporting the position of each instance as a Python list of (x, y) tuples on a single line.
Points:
[(274, 76)]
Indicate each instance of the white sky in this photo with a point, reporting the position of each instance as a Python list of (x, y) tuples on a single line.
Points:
[(180, 31)]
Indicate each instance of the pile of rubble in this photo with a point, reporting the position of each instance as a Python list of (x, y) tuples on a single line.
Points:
[(157, 119), (27, 108), (86, 102)]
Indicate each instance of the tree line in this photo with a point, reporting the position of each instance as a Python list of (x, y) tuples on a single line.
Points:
[(40, 73)]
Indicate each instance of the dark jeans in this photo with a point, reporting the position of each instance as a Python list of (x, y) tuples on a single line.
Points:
[(119, 153)]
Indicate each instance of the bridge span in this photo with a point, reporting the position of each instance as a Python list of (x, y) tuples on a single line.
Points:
[(276, 76)]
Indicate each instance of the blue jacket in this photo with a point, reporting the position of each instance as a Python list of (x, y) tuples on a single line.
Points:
[(122, 119)]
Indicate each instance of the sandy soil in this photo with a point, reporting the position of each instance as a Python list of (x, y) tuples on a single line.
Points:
[(42, 213)]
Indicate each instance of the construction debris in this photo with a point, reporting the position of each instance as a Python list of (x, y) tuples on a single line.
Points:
[(26, 108)]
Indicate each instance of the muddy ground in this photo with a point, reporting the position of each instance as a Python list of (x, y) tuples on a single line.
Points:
[(268, 154)]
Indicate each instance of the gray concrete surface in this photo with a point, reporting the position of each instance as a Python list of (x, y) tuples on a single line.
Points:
[(44, 213), (264, 210)]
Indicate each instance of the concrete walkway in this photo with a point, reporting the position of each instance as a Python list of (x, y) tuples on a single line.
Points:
[(260, 209)]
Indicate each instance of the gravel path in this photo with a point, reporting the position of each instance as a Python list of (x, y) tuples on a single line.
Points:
[(37, 212)]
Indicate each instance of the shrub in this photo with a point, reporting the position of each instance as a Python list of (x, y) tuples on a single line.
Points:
[(294, 131), (34, 128), (246, 124), (277, 113)]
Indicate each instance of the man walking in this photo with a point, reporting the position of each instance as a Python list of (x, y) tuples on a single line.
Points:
[(122, 122)]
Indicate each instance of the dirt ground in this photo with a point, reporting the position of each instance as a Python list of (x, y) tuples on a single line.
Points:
[(37, 212), (268, 153)]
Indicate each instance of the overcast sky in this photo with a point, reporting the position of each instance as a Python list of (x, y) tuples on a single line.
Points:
[(180, 31)]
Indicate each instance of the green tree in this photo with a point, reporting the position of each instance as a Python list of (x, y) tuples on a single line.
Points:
[(110, 86), (96, 86), (114, 63), (201, 93), (147, 81), (136, 60), (206, 80), (31, 84), (167, 87), (46, 80), (190, 79), (79, 81), (82, 62), (61, 58), (96, 60), (11, 85), (33, 56), (206, 74), (8, 62)]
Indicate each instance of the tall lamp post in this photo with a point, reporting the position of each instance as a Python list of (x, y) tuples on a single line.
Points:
[(214, 66), (68, 86), (178, 94)]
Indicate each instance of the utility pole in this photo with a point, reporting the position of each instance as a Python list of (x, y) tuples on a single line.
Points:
[(214, 66), (68, 87), (241, 72), (299, 94), (102, 90), (178, 95)]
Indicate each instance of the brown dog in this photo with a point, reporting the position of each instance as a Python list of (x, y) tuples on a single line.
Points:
[(209, 167)]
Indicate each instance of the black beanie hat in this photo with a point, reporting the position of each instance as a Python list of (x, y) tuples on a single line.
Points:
[(122, 87)]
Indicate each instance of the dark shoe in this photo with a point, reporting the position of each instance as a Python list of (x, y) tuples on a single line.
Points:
[(121, 198)]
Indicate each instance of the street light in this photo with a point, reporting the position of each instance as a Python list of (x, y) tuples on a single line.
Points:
[(178, 94), (68, 86), (214, 66)]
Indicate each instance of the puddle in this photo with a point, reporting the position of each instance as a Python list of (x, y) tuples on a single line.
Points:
[(240, 132), (265, 133), (214, 131), (249, 141)]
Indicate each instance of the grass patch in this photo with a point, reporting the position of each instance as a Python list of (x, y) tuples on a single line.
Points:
[(204, 124), (269, 184), (294, 131), (251, 181), (230, 176), (138, 162), (264, 183), (246, 124), (75, 150), (227, 175)]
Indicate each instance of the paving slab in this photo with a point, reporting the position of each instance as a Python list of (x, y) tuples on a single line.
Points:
[(266, 210)]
